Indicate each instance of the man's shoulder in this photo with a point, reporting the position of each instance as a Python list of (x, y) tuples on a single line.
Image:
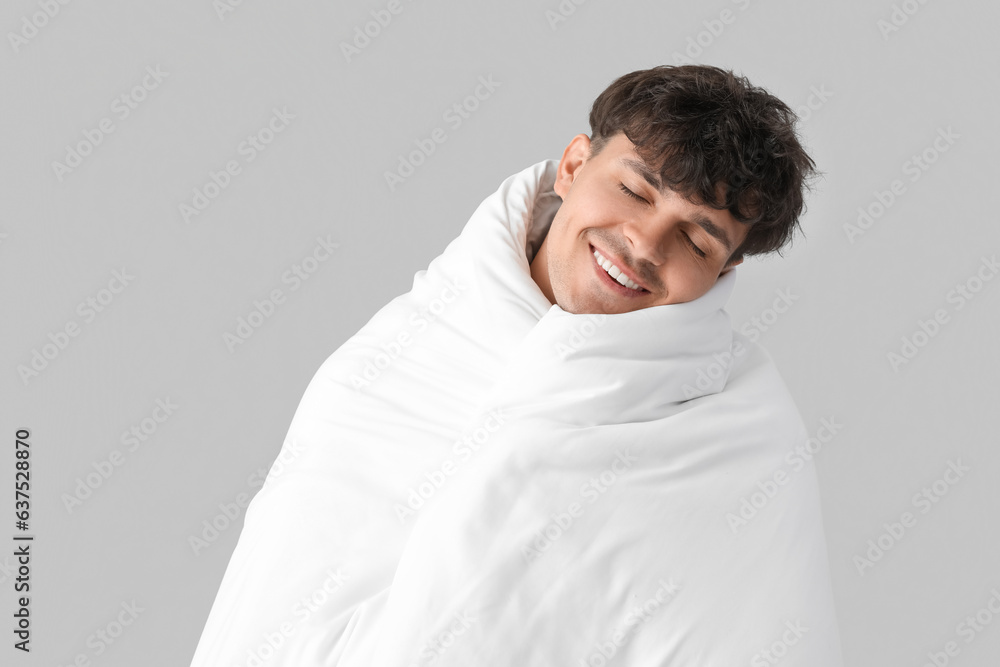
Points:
[(751, 362), (755, 383)]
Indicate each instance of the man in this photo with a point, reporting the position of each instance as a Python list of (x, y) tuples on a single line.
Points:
[(554, 449), (689, 170)]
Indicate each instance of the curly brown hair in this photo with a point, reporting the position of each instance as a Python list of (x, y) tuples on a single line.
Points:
[(716, 139)]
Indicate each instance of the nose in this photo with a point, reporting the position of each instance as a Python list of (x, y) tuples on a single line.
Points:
[(647, 239)]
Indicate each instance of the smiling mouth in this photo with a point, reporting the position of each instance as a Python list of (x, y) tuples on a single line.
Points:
[(620, 284)]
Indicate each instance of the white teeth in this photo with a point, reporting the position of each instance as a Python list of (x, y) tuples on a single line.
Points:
[(615, 272)]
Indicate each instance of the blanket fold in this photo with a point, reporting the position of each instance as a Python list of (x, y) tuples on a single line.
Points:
[(478, 477)]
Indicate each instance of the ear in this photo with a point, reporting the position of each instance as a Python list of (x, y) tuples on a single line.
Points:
[(574, 157)]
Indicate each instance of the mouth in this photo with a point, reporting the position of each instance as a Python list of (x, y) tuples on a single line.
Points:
[(614, 284)]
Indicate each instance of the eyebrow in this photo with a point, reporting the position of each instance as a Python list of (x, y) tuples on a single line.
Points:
[(653, 179)]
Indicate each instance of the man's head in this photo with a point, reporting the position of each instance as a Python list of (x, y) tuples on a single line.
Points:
[(688, 170)]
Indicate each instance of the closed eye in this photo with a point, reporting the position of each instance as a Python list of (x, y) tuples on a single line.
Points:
[(631, 194), (701, 253)]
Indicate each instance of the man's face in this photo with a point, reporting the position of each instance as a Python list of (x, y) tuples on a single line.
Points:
[(673, 249)]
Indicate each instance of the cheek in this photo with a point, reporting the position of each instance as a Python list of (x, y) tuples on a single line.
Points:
[(687, 285), (567, 242)]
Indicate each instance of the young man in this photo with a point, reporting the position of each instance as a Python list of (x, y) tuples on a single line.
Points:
[(689, 169), (554, 449)]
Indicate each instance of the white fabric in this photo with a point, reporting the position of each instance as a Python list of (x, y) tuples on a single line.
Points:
[(478, 477)]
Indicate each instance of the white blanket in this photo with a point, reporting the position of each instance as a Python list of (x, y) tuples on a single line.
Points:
[(478, 477)]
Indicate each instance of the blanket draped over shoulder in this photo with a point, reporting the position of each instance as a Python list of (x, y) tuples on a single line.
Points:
[(478, 477)]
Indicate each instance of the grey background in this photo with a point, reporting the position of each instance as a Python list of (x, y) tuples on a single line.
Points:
[(887, 95)]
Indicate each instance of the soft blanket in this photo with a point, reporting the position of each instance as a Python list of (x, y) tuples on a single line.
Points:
[(478, 477)]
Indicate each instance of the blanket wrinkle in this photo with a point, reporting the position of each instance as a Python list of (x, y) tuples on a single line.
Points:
[(476, 457)]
